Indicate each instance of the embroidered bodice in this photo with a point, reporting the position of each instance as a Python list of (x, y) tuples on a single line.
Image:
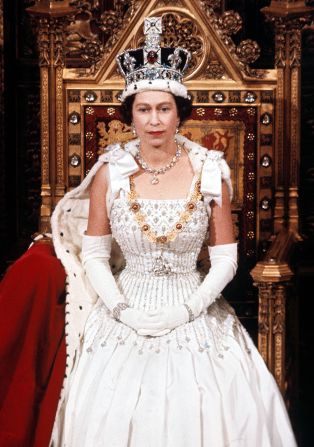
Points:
[(158, 274)]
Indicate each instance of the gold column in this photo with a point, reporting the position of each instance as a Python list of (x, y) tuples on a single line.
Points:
[(289, 17), (272, 277), (52, 18)]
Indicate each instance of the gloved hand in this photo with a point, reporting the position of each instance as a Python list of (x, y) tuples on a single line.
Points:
[(223, 260), (144, 323), (95, 256), (169, 317)]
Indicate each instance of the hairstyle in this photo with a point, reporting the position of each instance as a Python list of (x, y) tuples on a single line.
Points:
[(184, 108)]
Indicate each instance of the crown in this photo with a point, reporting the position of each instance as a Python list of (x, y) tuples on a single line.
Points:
[(153, 67)]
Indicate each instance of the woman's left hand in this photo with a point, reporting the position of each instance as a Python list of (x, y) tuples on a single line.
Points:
[(170, 318)]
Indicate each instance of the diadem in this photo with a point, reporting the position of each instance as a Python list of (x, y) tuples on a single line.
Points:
[(153, 67)]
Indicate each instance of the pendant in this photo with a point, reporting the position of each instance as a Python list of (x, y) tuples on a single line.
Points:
[(161, 266), (154, 180)]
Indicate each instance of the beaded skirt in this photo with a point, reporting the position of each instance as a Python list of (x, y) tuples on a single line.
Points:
[(203, 384)]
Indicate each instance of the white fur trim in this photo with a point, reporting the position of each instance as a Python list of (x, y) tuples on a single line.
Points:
[(174, 87)]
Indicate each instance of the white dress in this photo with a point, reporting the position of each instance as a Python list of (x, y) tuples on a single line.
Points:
[(203, 384)]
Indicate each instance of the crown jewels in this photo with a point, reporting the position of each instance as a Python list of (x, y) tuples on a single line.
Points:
[(153, 67)]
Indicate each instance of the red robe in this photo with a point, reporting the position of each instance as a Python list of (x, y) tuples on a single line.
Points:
[(32, 347)]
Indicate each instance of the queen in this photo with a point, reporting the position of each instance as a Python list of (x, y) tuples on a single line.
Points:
[(156, 356)]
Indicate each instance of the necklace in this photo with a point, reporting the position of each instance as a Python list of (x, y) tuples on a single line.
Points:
[(184, 217), (158, 171)]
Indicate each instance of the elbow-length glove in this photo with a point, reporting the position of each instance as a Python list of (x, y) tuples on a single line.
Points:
[(223, 259), (95, 257)]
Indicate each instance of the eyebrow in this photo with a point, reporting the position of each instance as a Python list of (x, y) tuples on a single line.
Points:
[(148, 104)]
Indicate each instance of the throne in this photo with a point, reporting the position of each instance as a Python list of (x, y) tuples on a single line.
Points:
[(249, 114)]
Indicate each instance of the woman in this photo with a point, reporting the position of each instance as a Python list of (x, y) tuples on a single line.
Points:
[(162, 359)]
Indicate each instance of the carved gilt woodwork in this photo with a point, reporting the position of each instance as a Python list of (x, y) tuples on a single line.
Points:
[(258, 108), (288, 18)]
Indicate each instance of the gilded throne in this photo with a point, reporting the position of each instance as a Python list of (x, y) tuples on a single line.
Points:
[(237, 109)]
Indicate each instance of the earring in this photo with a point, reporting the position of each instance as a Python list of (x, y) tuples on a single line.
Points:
[(133, 129)]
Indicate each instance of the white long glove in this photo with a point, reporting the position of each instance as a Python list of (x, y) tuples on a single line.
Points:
[(96, 252), (223, 259)]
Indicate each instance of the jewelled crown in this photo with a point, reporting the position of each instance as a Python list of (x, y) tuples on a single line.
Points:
[(153, 67)]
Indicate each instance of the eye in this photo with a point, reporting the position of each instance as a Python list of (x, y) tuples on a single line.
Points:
[(143, 109), (165, 108)]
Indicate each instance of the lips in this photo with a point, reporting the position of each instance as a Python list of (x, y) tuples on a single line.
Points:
[(156, 133)]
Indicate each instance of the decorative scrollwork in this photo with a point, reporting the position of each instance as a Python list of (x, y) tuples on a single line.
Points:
[(279, 310), (183, 32), (50, 41), (170, 3), (295, 48), (263, 317), (248, 51), (110, 22), (230, 22), (215, 70), (92, 52), (211, 4), (94, 31)]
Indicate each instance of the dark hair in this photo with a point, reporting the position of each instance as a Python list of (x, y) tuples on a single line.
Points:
[(184, 108)]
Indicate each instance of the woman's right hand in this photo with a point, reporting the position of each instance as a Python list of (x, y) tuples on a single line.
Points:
[(140, 321)]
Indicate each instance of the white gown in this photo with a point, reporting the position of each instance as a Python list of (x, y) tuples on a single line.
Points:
[(203, 384)]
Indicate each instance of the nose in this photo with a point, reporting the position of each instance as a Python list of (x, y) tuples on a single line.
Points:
[(154, 118)]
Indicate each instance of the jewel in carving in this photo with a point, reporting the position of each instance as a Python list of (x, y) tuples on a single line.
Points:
[(266, 161), (250, 97), (75, 160), (74, 118), (218, 97), (266, 119), (90, 96), (265, 203)]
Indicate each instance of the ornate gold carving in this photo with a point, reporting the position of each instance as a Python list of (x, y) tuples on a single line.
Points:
[(50, 41), (44, 112), (230, 22), (170, 3), (115, 131), (91, 37), (295, 48), (211, 4), (263, 319), (43, 43), (214, 70), (248, 51), (295, 127), (184, 32), (59, 131), (279, 323)]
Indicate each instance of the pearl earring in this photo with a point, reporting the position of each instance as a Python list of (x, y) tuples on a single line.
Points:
[(133, 129)]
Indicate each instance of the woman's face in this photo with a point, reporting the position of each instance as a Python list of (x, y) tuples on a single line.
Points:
[(155, 117)]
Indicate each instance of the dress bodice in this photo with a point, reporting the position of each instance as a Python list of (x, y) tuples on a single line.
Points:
[(161, 215), (158, 274)]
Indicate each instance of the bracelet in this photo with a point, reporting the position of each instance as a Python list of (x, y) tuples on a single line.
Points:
[(117, 310), (191, 315)]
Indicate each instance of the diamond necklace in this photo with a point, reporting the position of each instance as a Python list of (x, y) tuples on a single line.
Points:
[(158, 171)]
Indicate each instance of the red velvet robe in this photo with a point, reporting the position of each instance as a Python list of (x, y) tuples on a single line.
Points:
[(32, 347)]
